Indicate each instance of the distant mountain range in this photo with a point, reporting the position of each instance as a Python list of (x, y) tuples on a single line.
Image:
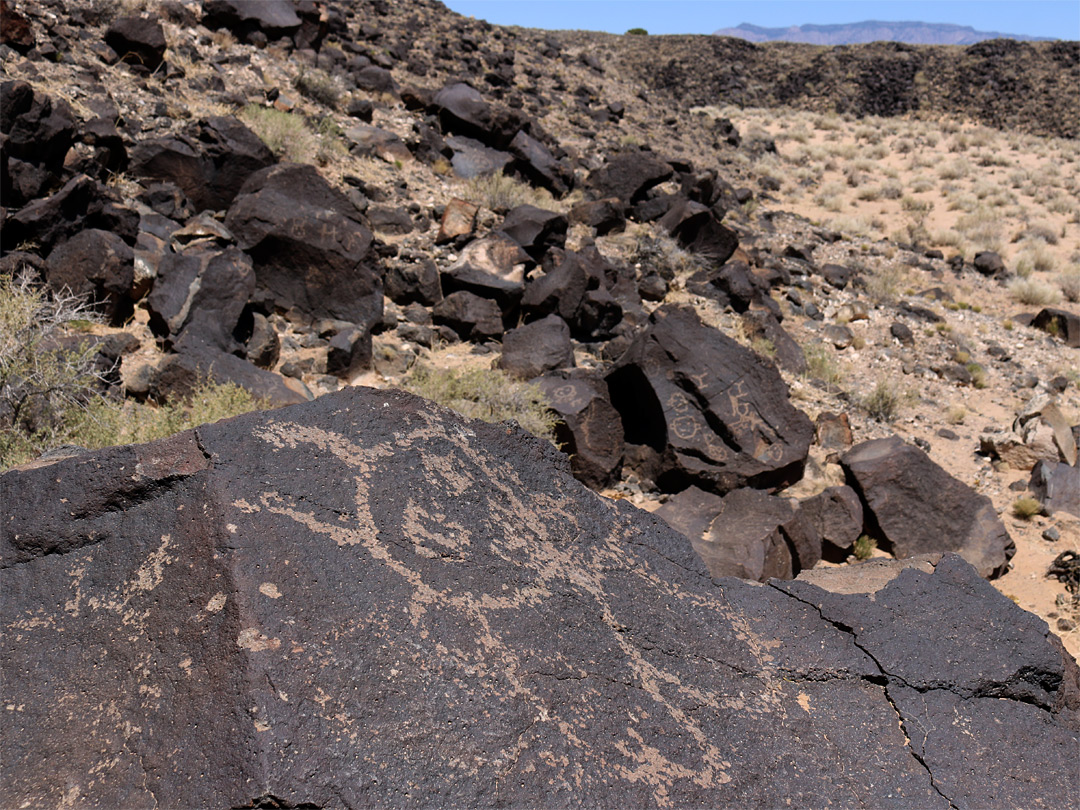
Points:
[(915, 33)]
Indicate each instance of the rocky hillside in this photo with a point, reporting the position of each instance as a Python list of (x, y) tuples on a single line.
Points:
[(362, 599)]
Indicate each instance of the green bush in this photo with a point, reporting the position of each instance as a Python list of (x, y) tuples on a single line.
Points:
[(501, 193), (638, 32), (883, 403), (50, 395), (1026, 507), (488, 394), (864, 547)]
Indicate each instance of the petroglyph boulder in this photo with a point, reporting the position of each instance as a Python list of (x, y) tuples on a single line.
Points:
[(717, 415), (365, 601)]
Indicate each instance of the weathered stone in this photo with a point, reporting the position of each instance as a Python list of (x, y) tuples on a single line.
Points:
[(492, 267), (387, 219), (274, 18), (836, 514), (375, 79), (605, 215), (628, 176), (379, 142), (414, 283), (199, 296), (1056, 486), (837, 275), (309, 245), (915, 507), (832, 431), (536, 347), (458, 220), (1060, 323), (179, 375), (39, 129), (838, 335), (462, 110), (471, 158), (322, 591), (535, 229), (263, 346), (697, 229), (16, 32), (589, 430), (348, 353), (137, 39), (96, 264), (774, 341), (535, 162), (210, 161), (469, 315), (990, 264)]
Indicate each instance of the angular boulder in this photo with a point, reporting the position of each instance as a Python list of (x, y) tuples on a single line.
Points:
[(716, 413), (274, 18), (530, 350), (589, 430), (628, 176), (97, 264), (472, 317), (697, 228), (209, 162), (915, 507), (491, 267), (365, 600), (138, 39), (535, 229), (310, 246), (1060, 323)]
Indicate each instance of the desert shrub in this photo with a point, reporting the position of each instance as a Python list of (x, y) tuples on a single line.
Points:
[(500, 193), (488, 394), (659, 252), (864, 547), (1035, 255), (852, 226), (50, 392), (638, 32), (883, 403), (956, 415), (1069, 282), (955, 170), (285, 134), (1026, 507), (884, 282), (317, 86), (1042, 233), (821, 365), (1030, 291)]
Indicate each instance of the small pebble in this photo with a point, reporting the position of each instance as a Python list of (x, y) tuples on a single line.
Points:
[(1065, 625)]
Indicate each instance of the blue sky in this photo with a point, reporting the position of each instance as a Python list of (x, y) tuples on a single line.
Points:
[(1041, 18)]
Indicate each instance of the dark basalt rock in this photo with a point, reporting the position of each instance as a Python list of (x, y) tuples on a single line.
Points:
[(310, 246), (81, 203), (199, 296), (414, 283), (16, 32), (836, 514), (535, 163), (535, 229), (762, 325), (329, 605), (590, 431), (491, 267), (274, 18), (576, 287), (915, 507), (716, 412), (628, 176), (210, 162), (1060, 323), (179, 375), (605, 215), (536, 347), (469, 315), (697, 229), (137, 39), (96, 264)]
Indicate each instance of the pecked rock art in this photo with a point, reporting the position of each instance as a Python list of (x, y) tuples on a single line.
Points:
[(368, 601)]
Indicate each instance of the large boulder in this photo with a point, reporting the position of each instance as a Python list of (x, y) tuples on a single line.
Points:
[(365, 601), (914, 507), (274, 18), (628, 176), (535, 229), (715, 413), (531, 349), (697, 228), (98, 265), (138, 39), (209, 162), (310, 246), (576, 286), (491, 267)]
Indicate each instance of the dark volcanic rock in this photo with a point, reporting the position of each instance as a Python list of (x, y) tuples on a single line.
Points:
[(605, 215), (837, 515), (16, 32), (590, 431), (535, 229), (717, 413), (536, 347), (472, 317), (137, 39), (535, 162), (97, 264), (697, 229), (179, 375), (628, 176), (917, 508), (332, 604), (990, 264), (1061, 323), (492, 267), (1056, 485), (209, 162), (310, 247), (274, 18)]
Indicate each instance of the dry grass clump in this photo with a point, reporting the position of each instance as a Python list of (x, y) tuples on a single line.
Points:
[(955, 170), (1069, 283), (1033, 292), (851, 226), (1026, 507), (488, 394), (1035, 256), (500, 193), (285, 134), (883, 403), (319, 87)]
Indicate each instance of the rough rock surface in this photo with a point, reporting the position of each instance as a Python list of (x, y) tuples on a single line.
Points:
[(716, 413), (366, 601), (917, 507)]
